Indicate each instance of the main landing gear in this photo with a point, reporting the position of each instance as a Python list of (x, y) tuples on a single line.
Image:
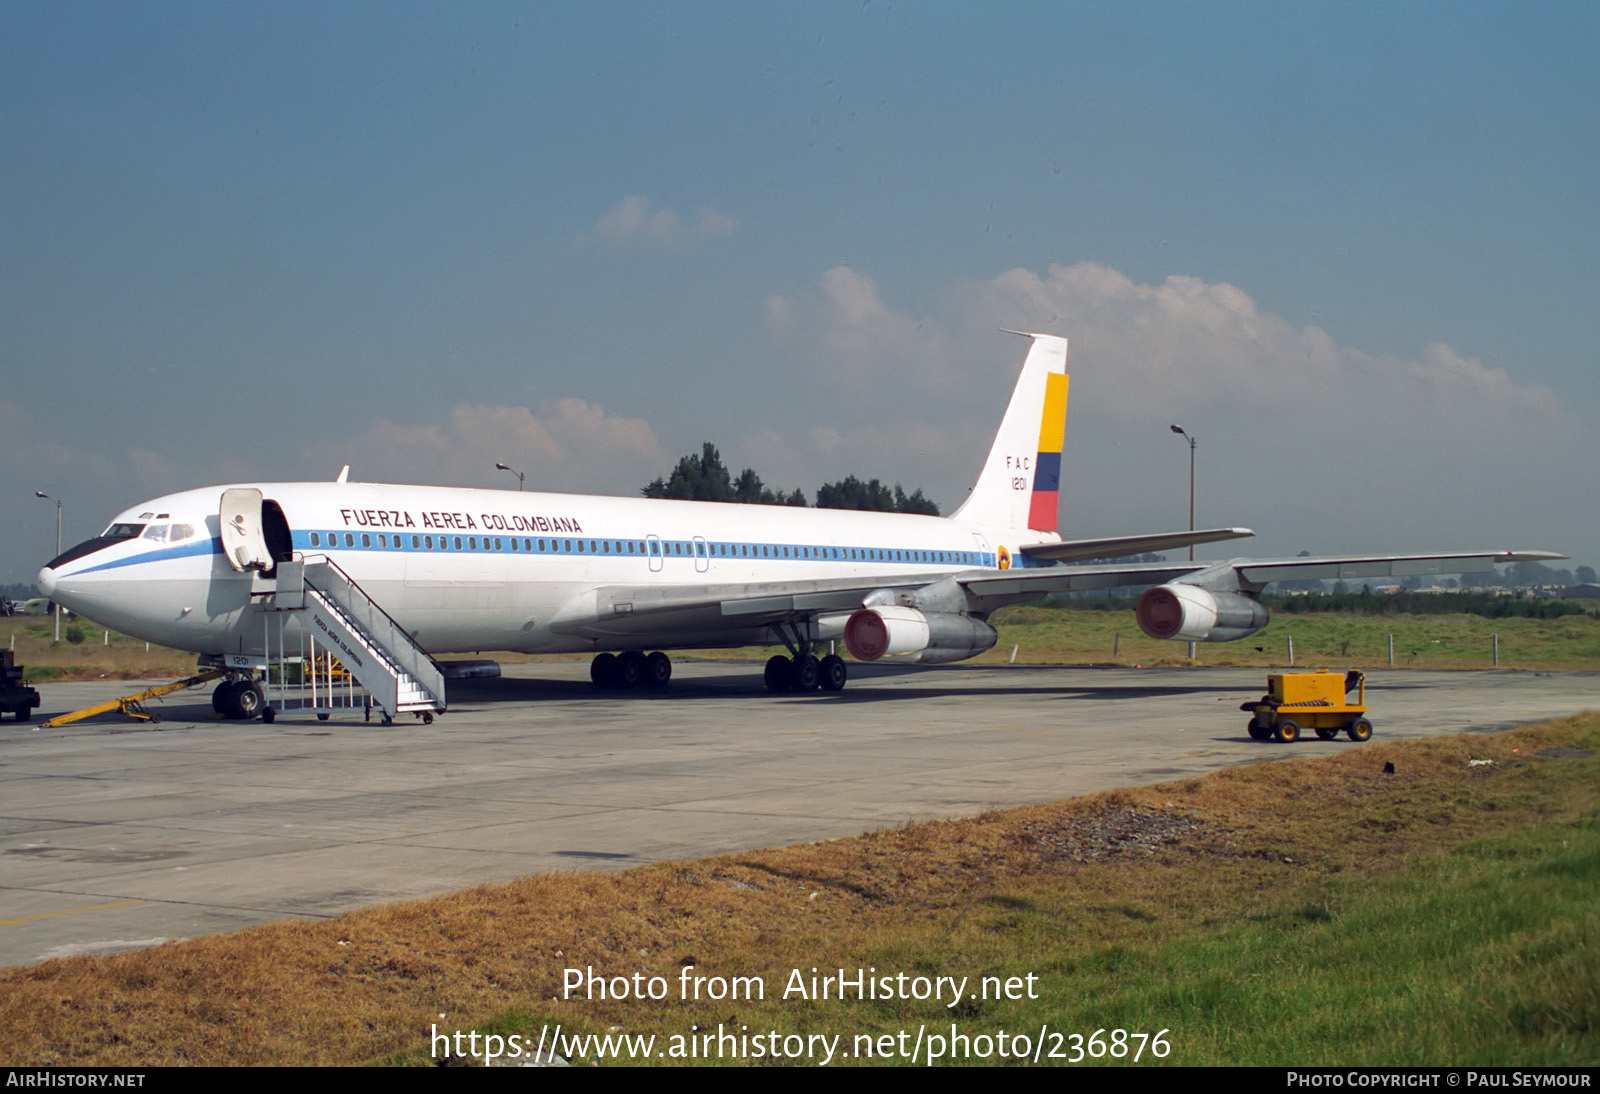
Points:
[(803, 672), (633, 669)]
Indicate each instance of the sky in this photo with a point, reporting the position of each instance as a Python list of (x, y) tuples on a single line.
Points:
[(1349, 247)]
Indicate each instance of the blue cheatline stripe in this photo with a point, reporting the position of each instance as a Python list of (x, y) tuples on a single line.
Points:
[(647, 548), (187, 550), (1047, 471)]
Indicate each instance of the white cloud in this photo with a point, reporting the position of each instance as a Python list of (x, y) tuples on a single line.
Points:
[(635, 217), (1296, 429), (568, 445)]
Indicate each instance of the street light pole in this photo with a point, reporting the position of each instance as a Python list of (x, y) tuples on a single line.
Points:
[(47, 497), (1178, 429), (514, 471)]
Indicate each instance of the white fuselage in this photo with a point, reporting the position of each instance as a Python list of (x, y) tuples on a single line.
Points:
[(469, 569)]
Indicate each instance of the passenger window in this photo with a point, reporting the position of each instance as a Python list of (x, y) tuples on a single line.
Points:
[(366, 540), (316, 540), (349, 539), (383, 541)]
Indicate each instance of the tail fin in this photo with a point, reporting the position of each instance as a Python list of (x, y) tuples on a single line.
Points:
[(1021, 480)]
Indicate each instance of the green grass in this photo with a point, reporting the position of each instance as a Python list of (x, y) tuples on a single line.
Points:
[(1066, 636), (1484, 956)]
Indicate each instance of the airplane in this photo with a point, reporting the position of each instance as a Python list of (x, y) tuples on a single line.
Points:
[(626, 579)]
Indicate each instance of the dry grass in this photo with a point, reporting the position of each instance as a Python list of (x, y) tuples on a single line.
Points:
[(1134, 867), (101, 655)]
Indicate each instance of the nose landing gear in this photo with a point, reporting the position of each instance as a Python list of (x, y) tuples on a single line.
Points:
[(240, 699)]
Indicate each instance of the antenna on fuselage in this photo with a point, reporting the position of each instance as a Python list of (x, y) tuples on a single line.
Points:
[(344, 474)]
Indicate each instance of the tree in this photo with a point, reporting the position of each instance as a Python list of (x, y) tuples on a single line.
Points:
[(705, 478), (696, 478), (851, 493)]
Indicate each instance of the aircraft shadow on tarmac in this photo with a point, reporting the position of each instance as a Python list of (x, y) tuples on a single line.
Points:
[(744, 681)]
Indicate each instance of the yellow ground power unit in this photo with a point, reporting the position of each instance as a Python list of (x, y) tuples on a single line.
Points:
[(1318, 701)]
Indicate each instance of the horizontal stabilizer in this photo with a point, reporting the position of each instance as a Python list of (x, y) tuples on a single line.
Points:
[(1117, 546)]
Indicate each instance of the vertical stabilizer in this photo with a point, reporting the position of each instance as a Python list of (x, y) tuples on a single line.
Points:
[(1021, 480)]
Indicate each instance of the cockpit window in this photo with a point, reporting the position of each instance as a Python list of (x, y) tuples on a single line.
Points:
[(180, 532), (122, 531), (156, 533)]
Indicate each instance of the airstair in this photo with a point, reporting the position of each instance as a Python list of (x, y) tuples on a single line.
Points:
[(330, 647)]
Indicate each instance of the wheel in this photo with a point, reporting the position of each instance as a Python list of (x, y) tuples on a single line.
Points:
[(834, 672), (1327, 733), (631, 669), (25, 714), (604, 671), (806, 673), (249, 699), (1259, 732), (269, 715), (1360, 730), (427, 718), (777, 674), (322, 717), (222, 697), (657, 669), (385, 720), (1286, 730)]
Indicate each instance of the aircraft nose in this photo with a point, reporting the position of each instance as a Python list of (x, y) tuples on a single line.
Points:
[(46, 581)]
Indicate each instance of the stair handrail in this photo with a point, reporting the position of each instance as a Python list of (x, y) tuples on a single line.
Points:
[(395, 642)]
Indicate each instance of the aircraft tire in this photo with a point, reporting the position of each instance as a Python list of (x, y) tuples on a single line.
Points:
[(631, 669), (603, 670), (248, 700), (834, 672), (806, 673), (777, 674), (222, 697), (657, 669)]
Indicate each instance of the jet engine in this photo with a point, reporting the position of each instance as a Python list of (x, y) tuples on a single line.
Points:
[(1193, 614), (893, 630)]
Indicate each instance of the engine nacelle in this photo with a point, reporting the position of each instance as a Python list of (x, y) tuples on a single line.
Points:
[(892, 630), (1190, 613)]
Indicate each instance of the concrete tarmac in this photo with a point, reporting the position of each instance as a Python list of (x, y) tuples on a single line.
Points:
[(116, 834)]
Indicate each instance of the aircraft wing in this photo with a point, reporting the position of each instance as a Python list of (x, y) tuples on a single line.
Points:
[(1232, 575), (708, 609), (1262, 571), (1078, 549)]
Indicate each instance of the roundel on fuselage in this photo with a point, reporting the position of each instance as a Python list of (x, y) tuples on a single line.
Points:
[(1005, 559)]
